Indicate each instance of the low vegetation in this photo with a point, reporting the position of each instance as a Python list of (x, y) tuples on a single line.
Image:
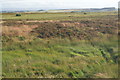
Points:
[(60, 45)]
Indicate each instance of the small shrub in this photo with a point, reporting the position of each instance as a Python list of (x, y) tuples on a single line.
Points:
[(85, 13), (18, 14)]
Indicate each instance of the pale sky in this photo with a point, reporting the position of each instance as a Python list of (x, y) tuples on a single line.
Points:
[(56, 4)]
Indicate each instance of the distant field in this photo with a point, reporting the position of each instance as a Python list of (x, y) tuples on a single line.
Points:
[(60, 45), (58, 16)]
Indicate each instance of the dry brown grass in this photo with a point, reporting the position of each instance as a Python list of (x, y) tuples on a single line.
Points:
[(24, 30), (77, 24)]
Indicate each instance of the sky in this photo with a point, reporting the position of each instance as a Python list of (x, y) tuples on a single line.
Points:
[(56, 4)]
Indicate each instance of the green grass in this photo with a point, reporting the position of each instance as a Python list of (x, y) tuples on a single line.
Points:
[(63, 59), (93, 54), (56, 16)]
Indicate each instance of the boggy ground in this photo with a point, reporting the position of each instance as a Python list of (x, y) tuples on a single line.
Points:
[(81, 46)]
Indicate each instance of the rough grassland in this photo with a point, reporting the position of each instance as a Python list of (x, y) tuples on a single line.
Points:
[(60, 45)]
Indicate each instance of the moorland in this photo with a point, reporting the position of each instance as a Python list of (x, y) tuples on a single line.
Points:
[(60, 45)]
